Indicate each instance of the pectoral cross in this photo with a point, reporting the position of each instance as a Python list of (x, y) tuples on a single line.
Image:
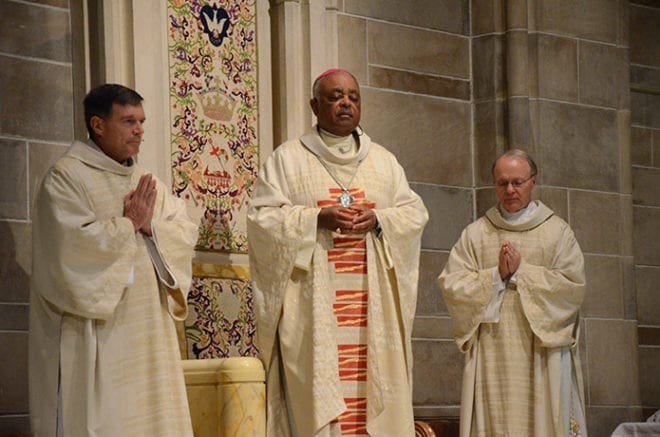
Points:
[(345, 199)]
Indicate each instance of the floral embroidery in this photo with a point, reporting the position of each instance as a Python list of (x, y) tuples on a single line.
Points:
[(213, 113), (220, 320)]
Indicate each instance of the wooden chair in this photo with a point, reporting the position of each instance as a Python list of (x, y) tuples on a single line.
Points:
[(437, 427), (423, 429)]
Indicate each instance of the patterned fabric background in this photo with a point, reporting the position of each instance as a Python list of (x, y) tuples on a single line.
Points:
[(220, 320), (214, 113)]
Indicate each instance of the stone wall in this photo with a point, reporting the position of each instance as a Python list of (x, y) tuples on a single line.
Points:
[(447, 85), (645, 158), (36, 125)]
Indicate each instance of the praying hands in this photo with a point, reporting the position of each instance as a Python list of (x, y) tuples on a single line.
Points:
[(509, 260), (139, 204), (355, 219)]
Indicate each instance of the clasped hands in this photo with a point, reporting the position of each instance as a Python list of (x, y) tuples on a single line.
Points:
[(139, 204), (509, 260), (355, 219)]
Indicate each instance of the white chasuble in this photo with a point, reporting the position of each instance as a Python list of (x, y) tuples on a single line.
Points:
[(103, 345), (522, 373), (334, 312)]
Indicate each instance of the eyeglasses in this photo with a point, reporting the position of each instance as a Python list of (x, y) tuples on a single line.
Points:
[(502, 185)]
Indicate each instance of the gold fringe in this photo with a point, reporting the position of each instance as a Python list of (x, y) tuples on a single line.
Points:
[(224, 271)]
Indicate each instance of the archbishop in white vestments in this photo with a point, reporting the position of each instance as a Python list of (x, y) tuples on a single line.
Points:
[(335, 302), (104, 356), (514, 284)]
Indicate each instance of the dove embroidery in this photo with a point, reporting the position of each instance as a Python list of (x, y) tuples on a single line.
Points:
[(216, 22)]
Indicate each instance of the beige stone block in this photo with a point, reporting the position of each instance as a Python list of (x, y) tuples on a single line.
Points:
[(520, 48), (627, 226), (41, 157), (612, 380), (21, 241), (13, 168), (517, 15), (646, 222), (522, 117), (33, 82), (415, 128), (557, 16), (647, 282), (56, 3), (648, 336), (36, 32), (649, 363), (582, 350), (14, 317), (450, 211), (489, 138), (590, 19), (418, 50), (645, 109), (486, 198), (13, 373), (644, 35), (16, 424), (15, 259), (352, 44), (533, 64), (557, 68), (437, 372), (641, 143), (647, 412), (596, 219), (488, 67), (488, 16), (629, 293), (554, 198), (656, 148), (602, 420), (419, 83), (441, 417), (623, 24), (578, 146), (604, 293), (644, 78), (604, 77), (432, 328), (623, 129), (448, 15), (646, 184), (429, 296)]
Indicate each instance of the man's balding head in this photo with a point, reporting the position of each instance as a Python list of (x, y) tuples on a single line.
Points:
[(514, 176)]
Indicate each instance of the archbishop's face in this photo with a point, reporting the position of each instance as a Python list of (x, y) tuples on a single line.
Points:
[(337, 107)]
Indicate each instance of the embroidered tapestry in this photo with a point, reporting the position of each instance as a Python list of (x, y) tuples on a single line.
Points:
[(213, 115), (220, 319)]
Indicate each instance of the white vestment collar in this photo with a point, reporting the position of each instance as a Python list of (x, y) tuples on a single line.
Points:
[(92, 155), (314, 143), (524, 222), (339, 145), (520, 216)]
